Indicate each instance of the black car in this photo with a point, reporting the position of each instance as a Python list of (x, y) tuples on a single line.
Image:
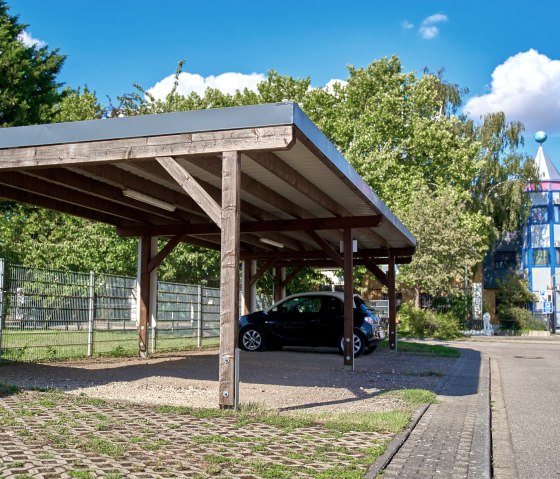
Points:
[(310, 319)]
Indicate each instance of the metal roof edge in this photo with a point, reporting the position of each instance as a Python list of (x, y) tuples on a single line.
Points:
[(325, 146), (193, 121)]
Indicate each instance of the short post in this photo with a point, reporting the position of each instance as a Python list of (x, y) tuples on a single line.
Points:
[(91, 311), (199, 318), (1, 303)]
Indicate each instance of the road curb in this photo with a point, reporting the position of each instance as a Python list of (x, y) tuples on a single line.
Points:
[(382, 461)]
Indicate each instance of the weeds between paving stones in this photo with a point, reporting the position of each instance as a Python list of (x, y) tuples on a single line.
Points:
[(253, 441)]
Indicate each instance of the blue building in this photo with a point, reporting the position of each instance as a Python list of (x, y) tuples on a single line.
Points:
[(535, 249), (541, 235)]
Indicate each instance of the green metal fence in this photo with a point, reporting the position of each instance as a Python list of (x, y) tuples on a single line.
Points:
[(47, 314)]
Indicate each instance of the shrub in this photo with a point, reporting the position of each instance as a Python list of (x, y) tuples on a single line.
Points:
[(513, 317), (421, 323)]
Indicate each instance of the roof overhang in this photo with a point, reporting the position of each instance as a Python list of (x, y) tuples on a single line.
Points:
[(297, 191)]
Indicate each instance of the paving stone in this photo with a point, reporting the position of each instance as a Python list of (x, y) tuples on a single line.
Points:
[(442, 444)]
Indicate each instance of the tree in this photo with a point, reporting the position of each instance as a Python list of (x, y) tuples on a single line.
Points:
[(450, 242), (401, 132), (28, 86), (78, 106)]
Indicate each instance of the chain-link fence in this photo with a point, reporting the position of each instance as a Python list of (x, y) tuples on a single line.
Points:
[(47, 314)]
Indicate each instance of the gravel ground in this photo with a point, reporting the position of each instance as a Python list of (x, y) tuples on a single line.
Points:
[(285, 380)]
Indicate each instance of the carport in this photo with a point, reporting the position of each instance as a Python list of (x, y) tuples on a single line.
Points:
[(259, 183)]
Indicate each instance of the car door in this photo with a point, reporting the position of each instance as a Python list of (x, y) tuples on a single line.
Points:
[(295, 319), (330, 324)]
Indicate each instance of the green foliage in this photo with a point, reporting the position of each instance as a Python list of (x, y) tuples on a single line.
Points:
[(449, 240), (28, 87), (515, 318), (78, 106), (512, 298), (422, 323)]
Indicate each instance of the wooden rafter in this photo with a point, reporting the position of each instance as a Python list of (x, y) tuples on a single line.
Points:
[(32, 199), (121, 178), (68, 179)]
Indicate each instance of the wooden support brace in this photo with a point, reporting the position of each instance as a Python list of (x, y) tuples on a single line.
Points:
[(168, 248), (262, 270), (327, 248), (376, 271), (192, 187)]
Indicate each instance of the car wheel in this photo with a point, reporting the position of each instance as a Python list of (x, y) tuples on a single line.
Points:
[(359, 345), (251, 339)]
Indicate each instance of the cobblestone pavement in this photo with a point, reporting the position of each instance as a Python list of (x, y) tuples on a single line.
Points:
[(452, 440), (56, 435)]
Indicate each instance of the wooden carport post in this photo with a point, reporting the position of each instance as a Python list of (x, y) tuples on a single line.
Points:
[(348, 301), (229, 280), (392, 303), (148, 288)]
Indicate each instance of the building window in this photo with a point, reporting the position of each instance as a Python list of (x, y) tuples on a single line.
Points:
[(557, 213), (505, 260), (539, 214), (540, 257)]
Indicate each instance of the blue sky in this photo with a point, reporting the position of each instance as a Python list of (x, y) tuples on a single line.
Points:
[(112, 44)]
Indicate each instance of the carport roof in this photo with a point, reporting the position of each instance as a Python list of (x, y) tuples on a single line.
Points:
[(294, 183)]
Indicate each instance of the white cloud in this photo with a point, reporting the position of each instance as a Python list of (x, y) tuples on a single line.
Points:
[(191, 82), (330, 84), (406, 25), (526, 87), (29, 41), (429, 29)]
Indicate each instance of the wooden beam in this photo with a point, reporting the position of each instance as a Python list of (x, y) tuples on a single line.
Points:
[(327, 263), (262, 270), (44, 188), (248, 210), (327, 248), (291, 276), (255, 188), (348, 301), (121, 178), (144, 309), (106, 151), (192, 187), (307, 224), (277, 284), (21, 196), (229, 280), (79, 182), (374, 254), (392, 304), (376, 271), (247, 290), (168, 248), (280, 168)]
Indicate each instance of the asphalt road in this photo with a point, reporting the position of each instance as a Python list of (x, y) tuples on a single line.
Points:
[(529, 370)]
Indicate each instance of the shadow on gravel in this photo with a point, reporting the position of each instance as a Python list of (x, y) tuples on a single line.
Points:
[(305, 368)]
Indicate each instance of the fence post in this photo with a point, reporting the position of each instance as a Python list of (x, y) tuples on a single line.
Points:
[(91, 310), (199, 318), (1, 303)]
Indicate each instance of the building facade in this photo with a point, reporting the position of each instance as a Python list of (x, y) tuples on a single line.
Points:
[(535, 250)]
